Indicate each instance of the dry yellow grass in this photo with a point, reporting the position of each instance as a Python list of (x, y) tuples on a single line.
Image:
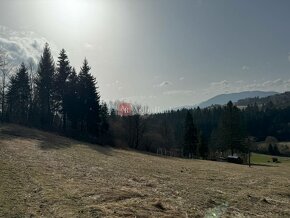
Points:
[(51, 176)]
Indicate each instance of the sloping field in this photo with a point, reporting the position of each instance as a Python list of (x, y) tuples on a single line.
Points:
[(46, 175)]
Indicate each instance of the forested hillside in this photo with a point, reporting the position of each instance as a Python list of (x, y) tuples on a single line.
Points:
[(279, 100), (57, 98), (212, 126), (234, 97)]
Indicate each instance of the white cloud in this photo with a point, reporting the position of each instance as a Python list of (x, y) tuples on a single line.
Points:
[(181, 78), (225, 86), (273, 84), (115, 83), (137, 98), (245, 68), (164, 83), (88, 46), (23, 46), (222, 84), (178, 92)]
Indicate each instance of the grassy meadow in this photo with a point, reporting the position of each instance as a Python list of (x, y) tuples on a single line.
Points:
[(45, 175)]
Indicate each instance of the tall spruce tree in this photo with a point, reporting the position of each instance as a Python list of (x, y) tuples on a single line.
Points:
[(104, 114), (63, 71), (190, 137), (203, 149), (44, 88), (231, 130), (71, 104), (89, 101), (19, 96)]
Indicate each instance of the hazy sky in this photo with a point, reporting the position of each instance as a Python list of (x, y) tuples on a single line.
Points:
[(161, 53)]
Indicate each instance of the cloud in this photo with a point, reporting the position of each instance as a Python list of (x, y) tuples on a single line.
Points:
[(22, 46), (245, 68), (181, 78), (289, 56), (88, 46), (178, 92), (225, 86), (164, 83), (115, 83), (221, 84), (275, 83), (138, 98)]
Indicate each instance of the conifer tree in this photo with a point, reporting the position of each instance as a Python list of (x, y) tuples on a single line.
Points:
[(11, 98), (19, 96), (44, 88), (190, 137), (71, 104), (231, 131), (104, 114), (89, 101), (203, 149), (63, 71)]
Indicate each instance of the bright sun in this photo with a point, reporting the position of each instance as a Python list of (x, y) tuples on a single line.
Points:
[(72, 9), (78, 16)]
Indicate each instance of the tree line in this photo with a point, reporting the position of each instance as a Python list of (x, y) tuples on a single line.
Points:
[(199, 132), (55, 97)]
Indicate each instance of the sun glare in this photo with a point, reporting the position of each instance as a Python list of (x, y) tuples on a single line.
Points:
[(73, 9)]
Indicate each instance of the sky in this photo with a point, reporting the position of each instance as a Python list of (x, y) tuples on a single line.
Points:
[(159, 53)]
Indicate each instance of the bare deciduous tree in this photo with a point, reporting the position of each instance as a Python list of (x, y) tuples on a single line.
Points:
[(136, 126), (31, 77), (5, 70)]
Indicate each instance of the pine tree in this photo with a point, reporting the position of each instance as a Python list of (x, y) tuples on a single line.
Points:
[(12, 95), (71, 104), (89, 101), (104, 114), (63, 71), (190, 137), (203, 149), (19, 96), (230, 130), (44, 88)]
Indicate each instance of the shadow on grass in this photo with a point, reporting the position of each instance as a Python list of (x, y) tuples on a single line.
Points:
[(47, 140), (46, 144), (262, 165), (106, 150), (63, 143)]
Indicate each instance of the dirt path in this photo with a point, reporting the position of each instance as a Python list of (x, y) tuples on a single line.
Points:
[(46, 175)]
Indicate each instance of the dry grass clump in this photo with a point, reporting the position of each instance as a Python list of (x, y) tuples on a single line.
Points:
[(159, 205)]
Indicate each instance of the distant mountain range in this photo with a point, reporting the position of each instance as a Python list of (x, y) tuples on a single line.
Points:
[(234, 97), (280, 100)]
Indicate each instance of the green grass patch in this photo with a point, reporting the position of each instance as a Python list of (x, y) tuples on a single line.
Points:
[(266, 159)]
